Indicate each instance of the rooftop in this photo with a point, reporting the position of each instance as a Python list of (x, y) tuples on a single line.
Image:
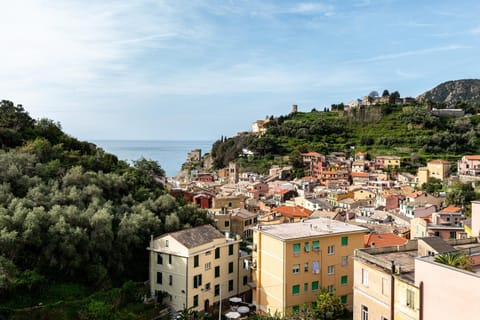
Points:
[(197, 236), (309, 228), (383, 240)]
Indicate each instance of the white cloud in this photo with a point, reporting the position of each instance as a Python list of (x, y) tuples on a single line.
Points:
[(393, 56), (475, 30), (313, 8)]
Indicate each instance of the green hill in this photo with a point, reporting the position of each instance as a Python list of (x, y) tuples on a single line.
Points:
[(410, 131)]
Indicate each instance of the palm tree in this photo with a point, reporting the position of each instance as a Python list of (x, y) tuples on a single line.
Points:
[(455, 259)]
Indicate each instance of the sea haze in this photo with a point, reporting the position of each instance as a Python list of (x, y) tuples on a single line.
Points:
[(168, 153)]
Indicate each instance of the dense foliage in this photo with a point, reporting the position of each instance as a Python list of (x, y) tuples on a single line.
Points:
[(409, 131), (71, 212)]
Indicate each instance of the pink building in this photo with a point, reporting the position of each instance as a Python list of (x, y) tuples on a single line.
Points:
[(469, 165), (456, 298)]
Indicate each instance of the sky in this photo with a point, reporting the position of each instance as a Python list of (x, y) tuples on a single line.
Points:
[(199, 70)]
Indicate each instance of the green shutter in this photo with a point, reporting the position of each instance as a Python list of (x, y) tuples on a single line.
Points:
[(344, 280), (296, 289), (344, 241), (314, 285), (296, 248), (343, 299)]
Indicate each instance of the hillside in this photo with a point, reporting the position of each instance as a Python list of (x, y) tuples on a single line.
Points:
[(409, 130), (452, 92), (74, 220)]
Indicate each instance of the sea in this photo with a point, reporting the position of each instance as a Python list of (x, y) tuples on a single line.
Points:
[(169, 154)]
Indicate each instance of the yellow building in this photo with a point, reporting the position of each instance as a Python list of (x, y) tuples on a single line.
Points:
[(439, 169), (292, 261), (196, 267)]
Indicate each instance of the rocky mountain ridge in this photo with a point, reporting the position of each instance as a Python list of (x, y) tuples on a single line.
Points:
[(451, 92)]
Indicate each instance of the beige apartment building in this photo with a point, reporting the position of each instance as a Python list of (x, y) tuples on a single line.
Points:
[(403, 282), (292, 261), (196, 267)]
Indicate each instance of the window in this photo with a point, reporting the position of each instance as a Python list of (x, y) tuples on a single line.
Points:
[(296, 248), (159, 277), (331, 270), (453, 235), (365, 277), (343, 299), (169, 259), (305, 286), (170, 280), (410, 298), (343, 280), (316, 245), (314, 285), (364, 314), (296, 268), (245, 280), (159, 258), (166, 243), (230, 267), (217, 271), (385, 286), (195, 261), (331, 249), (217, 253), (230, 249), (305, 267), (197, 281), (344, 260), (227, 223), (217, 290), (315, 267), (306, 246), (344, 241), (207, 286), (230, 285), (331, 289), (296, 289), (208, 266), (195, 300)]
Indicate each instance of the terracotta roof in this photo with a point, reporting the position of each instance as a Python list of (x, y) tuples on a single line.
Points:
[(297, 211), (416, 194), (383, 240), (451, 209), (197, 236), (360, 174), (472, 157), (439, 161), (311, 154)]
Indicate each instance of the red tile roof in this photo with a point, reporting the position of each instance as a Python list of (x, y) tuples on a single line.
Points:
[(451, 209), (383, 240), (297, 211), (360, 175), (416, 194), (311, 154), (439, 161), (472, 157)]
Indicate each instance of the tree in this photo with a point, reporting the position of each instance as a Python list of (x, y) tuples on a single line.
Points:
[(455, 259), (385, 93), (393, 97), (433, 185), (329, 306), (149, 167)]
